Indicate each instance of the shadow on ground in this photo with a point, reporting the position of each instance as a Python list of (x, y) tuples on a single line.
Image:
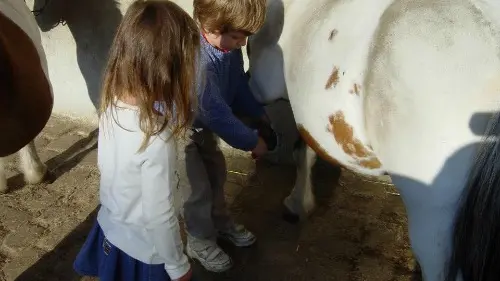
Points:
[(57, 265)]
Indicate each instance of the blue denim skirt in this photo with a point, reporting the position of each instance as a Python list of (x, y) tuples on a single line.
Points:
[(99, 258)]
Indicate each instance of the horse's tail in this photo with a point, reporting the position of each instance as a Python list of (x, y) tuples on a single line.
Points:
[(476, 235)]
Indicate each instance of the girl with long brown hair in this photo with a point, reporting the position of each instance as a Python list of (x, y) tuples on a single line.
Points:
[(152, 61)]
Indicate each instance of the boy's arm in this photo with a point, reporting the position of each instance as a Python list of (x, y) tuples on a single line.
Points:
[(215, 113), (162, 226), (245, 101)]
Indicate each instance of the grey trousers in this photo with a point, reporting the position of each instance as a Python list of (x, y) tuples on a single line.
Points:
[(205, 209)]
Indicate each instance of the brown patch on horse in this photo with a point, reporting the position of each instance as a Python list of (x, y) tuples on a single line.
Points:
[(333, 33), (314, 145), (26, 103), (344, 135), (333, 80)]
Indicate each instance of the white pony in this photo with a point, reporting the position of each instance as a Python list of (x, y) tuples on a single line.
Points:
[(405, 87), (26, 98)]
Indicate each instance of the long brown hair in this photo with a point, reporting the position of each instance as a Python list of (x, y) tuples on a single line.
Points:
[(152, 59)]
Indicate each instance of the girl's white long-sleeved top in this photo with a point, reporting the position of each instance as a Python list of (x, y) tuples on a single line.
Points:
[(137, 211)]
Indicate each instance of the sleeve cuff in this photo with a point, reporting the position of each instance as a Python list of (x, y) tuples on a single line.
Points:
[(178, 272)]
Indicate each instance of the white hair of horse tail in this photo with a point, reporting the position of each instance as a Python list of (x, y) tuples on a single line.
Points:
[(476, 234)]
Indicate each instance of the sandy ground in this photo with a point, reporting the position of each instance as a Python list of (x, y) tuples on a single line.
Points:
[(359, 231)]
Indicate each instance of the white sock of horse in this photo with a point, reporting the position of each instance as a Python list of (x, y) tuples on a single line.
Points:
[(301, 200), (34, 170)]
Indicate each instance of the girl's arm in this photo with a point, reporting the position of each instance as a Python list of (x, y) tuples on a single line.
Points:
[(158, 182)]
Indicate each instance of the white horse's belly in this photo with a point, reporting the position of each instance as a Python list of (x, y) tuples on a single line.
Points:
[(324, 72)]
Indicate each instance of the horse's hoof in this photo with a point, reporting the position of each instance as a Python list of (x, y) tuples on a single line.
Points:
[(290, 217)]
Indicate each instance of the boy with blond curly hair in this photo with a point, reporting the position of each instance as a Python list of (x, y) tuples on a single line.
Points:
[(225, 26)]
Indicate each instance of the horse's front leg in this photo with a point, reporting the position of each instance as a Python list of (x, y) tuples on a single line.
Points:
[(301, 202), (33, 168)]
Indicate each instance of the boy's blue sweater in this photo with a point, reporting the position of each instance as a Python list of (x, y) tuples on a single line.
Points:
[(226, 90)]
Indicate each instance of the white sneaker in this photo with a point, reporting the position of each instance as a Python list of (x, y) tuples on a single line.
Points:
[(209, 254), (238, 235)]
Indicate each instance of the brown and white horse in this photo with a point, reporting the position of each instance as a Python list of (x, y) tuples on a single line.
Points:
[(26, 98), (405, 87)]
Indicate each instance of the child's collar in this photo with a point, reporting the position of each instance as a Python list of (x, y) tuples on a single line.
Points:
[(222, 50)]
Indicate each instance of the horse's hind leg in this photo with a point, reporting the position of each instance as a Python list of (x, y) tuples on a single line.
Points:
[(30, 164), (33, 169), (430, 211), (301, 201)]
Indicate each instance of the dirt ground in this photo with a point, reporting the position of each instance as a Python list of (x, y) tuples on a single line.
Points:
[(357, 233)]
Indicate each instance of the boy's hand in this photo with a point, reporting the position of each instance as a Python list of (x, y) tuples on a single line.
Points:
[(186, 277), (266, 132), (260, 149)]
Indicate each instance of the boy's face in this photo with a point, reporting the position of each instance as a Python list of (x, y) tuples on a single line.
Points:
[(229, 40)]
